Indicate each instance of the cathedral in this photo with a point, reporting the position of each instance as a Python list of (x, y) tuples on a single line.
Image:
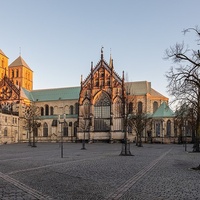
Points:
[(93, 111)]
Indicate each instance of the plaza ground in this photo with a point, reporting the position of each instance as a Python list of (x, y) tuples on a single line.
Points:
[(154, 172)]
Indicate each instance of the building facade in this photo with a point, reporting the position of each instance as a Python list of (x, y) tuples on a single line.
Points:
[(93, 111)]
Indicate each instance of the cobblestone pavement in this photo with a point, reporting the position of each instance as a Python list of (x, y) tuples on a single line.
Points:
[(155, 172)]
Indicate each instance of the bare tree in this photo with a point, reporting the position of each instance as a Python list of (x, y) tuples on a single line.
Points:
[(183, 78), (138, 121), (32, 122)]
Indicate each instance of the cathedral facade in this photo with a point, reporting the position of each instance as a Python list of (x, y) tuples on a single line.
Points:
[(94, 111)]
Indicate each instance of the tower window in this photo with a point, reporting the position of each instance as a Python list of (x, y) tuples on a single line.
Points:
[(12, 73), (17, 73)]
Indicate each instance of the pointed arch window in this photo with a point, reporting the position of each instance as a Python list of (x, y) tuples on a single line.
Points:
[(168, 128), (13, 73), (155, 106), (118, 108), (140, 107), (41, 111), (102, 113), (157, 127), (118, 114), (71, 109), (130, 108), (46, 109), (6, 132), (17, 73), (45, 130)]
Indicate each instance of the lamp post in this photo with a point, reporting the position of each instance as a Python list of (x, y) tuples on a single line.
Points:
[(163, 131), (70, 125), (61, 133)]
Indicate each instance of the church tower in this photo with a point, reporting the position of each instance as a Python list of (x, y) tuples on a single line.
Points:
[(3, 64), (21, 74)]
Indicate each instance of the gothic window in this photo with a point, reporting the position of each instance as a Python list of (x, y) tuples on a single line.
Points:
[(102, 113), (140, 107), (118, 108), (46, 109), (71, 109), (12, 73), (157, 129), (45, 130), (76, 108), (168, 128), (17, 73), (51, 110), (75, 128), (130, 108), (155, 106), (118, 115), (42, 111)]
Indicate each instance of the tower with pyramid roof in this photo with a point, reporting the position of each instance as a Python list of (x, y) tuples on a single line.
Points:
[(3, 64), (21, 74)]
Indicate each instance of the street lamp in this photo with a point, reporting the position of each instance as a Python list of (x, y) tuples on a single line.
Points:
[(163, 131), (70, 125), (61, 133)]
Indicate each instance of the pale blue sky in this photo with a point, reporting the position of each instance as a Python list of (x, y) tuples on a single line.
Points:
[(64, 36)]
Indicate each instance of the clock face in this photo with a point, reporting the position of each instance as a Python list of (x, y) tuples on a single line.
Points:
[(5, 92)]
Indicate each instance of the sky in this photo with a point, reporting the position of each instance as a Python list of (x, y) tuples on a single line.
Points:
[(59, 39)]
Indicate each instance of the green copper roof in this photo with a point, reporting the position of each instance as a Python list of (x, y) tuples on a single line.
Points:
[(69, 93), (163, 111)]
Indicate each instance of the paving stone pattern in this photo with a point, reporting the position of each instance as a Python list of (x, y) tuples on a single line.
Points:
[(154, 172)]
